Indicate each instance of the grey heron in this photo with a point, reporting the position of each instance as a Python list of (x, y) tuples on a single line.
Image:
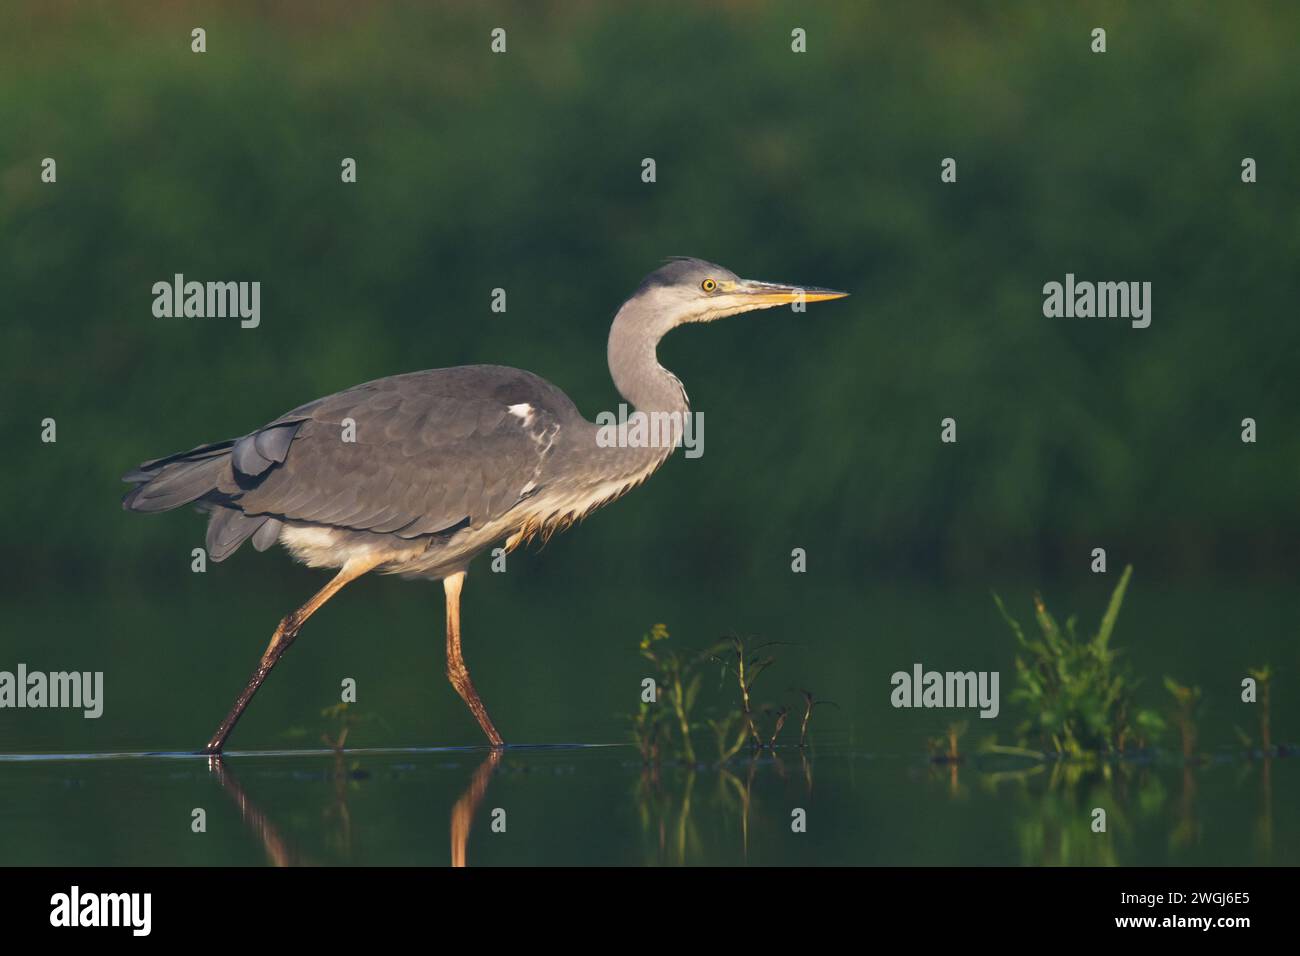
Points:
[(416, 474)]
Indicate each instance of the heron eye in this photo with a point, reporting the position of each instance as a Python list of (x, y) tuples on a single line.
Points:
[(708, 285)]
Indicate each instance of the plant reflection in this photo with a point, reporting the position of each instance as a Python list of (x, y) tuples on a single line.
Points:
[(1055, 803), (671, 799)]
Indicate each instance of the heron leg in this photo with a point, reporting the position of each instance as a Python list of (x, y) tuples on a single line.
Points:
[(457, 672), (280, 641)]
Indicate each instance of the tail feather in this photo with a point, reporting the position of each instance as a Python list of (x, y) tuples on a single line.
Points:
[(199, 475), (228, 528), (173, 484), (215, 449)]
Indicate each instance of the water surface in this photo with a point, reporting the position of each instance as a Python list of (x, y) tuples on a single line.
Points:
[(601, 806)]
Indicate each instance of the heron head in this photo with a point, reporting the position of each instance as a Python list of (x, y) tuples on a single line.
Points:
[(692, 290)]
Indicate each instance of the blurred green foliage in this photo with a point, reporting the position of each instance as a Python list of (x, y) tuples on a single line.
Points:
[(522, 171)]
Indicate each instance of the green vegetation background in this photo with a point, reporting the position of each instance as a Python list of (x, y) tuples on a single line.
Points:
[(522, 171)]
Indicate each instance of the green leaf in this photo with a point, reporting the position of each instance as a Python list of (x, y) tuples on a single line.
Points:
[(1112, 610), (1011, 621)]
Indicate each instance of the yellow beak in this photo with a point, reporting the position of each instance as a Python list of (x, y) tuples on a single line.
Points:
[(776, 293)]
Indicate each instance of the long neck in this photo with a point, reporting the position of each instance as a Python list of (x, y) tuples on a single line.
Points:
[(655, 394), (645, 384)]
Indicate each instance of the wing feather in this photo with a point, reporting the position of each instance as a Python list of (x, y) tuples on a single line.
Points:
[(434, 450)]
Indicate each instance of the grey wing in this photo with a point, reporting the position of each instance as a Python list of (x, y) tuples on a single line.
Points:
[(409, 455)]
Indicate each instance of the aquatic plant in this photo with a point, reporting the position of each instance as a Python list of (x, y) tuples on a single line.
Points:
[(746, 668), (725, 732), (344, 718), (944, 748), (1264, 679), (660, 731), (680, 682), (779, 716), (745, 664), (811, 703), (654, 728), (339, 720), (645, 732), (1078, 697), (1186, 703)]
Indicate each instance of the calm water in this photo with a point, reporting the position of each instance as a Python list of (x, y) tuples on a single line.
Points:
[(558, 670), (598, 805)]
